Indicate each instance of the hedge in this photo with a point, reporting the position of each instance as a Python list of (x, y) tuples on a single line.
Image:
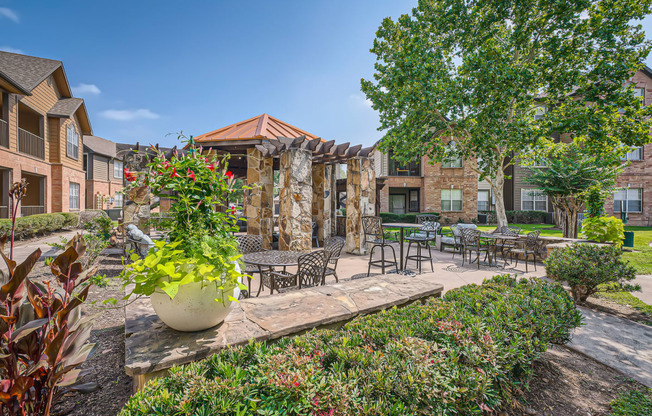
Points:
[(519, 217), (409, 218), (466, 354), (39, 224)]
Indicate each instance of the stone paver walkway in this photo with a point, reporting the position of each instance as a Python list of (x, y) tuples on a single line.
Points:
[(617, 342)]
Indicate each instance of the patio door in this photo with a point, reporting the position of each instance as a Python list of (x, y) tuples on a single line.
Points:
[(397, 204)]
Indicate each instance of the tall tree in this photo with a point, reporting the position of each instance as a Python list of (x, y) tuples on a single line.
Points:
[(477, 72), (570, 176)]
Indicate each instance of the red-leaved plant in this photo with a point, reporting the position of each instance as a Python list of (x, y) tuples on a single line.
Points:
[(43, 339)]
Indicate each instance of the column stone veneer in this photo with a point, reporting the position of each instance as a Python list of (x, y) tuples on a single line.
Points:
[(135, 209), (295, 200), (259, 200), (321, 200), (360, 201)]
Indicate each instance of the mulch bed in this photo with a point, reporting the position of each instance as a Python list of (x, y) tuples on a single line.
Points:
[(565, 382)]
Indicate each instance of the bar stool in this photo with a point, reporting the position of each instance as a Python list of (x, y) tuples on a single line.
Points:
[(427, 233)]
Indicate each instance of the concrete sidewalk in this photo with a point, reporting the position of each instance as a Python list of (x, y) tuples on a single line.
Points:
[(24, 249)]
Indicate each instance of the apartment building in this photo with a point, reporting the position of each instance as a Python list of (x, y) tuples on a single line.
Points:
[(104, 173), (41, 129)]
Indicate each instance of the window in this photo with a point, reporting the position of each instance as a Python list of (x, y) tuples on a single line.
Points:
[(452, 160), (117, 201), (639, 93), (117, 169), (397, 203), (483, 201), (85, 157), (631, 200), (397, 168), (72, 141), (451, 199), (533, 200), (73, 195), (635, 154), (414, 200)]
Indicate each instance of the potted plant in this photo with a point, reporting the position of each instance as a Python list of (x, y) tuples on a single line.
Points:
[(193, 278)]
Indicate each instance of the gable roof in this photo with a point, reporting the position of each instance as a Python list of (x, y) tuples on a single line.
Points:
[(65, 107), (101, 146), (260, 127), (26, 71)]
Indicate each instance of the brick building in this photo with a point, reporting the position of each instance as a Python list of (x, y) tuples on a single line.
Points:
[(450, 188), (41, 129)]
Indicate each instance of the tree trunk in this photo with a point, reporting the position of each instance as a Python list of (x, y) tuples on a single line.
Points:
[(498, 186)]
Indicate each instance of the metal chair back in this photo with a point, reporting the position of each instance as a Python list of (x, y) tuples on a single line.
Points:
[(426, 217), (333, 247), (470, 236), (250, 243), (532, 239), (312, 268), (373, 229)]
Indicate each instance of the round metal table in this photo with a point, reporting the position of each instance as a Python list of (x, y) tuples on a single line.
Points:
[(271, 258), (402, 226), (497, 237)]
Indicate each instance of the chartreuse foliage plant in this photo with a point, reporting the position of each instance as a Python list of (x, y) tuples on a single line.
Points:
[(202, 247), (585, 267), (469, 353), (502, 79), (604, 230)]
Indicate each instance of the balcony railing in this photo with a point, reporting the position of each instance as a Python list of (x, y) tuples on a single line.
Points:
[(4, 133), (31, 144), (27, 210)]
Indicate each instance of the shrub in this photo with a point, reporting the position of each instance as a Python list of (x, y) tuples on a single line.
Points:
[(72, 219), (586, 266), (632, 403), (34, 225), (604, 229), (468, 353), (520, 217), (409, 218), (90, 215)]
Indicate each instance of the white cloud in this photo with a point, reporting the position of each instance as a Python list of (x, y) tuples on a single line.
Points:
[(128, 115), (9, 14), (10, 49), (86, 89), (360, 100)]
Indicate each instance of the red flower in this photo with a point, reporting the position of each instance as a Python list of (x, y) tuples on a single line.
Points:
[(211, 167), (191, 175), (175, 174), (166, 164), (229, 175), (130, 176), (233, 211)]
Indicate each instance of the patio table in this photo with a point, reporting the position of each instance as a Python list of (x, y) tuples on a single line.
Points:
[(402, 226), (271, 258), (497, 237)]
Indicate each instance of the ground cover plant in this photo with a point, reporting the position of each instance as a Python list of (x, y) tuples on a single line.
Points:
[(468, 353), (632, 403)]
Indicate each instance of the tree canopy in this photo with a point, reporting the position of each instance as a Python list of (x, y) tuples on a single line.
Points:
[(504, 79)]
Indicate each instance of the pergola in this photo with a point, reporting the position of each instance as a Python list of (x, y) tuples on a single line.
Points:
[(307, 166)]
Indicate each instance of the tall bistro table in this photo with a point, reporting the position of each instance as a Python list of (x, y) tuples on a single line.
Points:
[(271, 259), (402, 226)]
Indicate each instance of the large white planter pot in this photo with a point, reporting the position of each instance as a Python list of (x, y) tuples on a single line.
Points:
[(194, 308)]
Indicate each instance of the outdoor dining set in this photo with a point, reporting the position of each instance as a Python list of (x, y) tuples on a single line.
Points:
[(464, 239)]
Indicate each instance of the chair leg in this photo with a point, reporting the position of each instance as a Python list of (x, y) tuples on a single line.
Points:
[(534, 256), (477, 258), (382, 256), (419, 256), (430, 254), (371, 257), (407, 253), (394, 254), (463, 257)]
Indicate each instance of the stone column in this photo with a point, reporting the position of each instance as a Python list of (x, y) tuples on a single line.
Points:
[(135, 209), (259, 200), (321, 200), (360, 201), (295, 200)]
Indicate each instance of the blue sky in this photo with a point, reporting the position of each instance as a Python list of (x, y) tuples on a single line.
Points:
[(149, 68)]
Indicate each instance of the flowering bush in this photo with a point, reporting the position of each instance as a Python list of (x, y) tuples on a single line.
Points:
[(202, 247), (469, 353)]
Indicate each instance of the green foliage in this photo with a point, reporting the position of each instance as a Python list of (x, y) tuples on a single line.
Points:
[(476, 72), (595, 199), (617, 295), (72, 219), (409, 218), (586, 266), (466, 354), (520, 217), (34, 225), (632, 403), (100, 226), (604, 230), (208, 259)]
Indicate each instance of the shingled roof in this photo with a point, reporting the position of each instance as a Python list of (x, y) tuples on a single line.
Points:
[(65, 107), (260, 127), (26, 71)]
